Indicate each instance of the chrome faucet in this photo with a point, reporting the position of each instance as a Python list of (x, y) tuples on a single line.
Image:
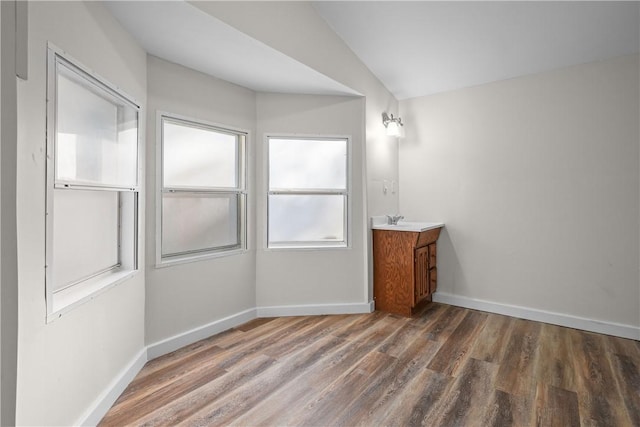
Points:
[(393, 220)]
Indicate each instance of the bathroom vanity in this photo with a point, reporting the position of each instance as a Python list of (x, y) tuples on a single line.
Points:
[(404, 265)]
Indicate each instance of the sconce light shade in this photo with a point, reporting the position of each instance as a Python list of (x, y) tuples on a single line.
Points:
[(392, 124), (393, 129)]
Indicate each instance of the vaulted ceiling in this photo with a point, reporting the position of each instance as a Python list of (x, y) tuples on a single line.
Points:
[(422, 47), (182, 33), (415, 48)]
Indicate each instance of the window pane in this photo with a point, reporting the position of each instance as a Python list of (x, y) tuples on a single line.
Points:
[(85, 234), (307, 163), (96, 135), (306, 218), (196, 222), (195, 157)]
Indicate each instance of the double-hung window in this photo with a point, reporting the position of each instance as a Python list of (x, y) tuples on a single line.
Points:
[(308, 192), (92, 185), (201, 210)]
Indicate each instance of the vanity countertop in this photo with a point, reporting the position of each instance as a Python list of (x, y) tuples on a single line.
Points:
[(380, 223)]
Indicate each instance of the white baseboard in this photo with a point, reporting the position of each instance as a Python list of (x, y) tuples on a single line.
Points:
[(315, 309), (608, 328), (93, 416), (102, 405), (175, 342), (108, 397)]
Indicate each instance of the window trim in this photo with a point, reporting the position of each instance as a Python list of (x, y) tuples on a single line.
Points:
[(63, 300), (347, 192), (241, 190)]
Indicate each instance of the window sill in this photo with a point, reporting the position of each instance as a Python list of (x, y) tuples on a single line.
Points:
[(67, 299), (169, 262), (327, 247)]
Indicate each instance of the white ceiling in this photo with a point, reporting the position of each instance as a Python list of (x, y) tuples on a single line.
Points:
[(182, 33), (420, 48), (415, 48)]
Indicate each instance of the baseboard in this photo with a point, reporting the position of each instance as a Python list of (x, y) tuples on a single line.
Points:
[(315, 309), (102, 405), (108, 397), (173, 343), (189, 337), (560, 319)]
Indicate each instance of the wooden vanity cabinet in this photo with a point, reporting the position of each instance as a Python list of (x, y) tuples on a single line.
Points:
[(404, 269)]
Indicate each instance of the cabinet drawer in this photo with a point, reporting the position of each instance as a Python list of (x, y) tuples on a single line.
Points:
[(427, 237), (433, 279), (432, 255)]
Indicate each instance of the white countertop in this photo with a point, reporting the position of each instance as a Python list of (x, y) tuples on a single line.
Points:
[(380, 223)]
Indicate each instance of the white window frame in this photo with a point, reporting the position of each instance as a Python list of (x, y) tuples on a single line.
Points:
[(63, 300), (241, 190), (308, 245)]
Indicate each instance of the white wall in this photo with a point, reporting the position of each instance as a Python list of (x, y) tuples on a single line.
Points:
[(186, 296), (312, 277), (316, 45), (537, 180), (64, 366)]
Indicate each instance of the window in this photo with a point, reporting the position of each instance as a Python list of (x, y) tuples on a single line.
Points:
[(202, 197), (308, 192), (92, 185)]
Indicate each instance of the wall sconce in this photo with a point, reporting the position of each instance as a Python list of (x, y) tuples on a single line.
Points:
[(392, 124)]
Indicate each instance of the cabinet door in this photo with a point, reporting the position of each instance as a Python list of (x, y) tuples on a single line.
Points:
[(421, 271)]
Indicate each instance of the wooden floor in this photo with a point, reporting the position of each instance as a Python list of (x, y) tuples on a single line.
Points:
[(447, 366)]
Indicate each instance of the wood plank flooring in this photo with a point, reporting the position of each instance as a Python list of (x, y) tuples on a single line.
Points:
[(446, 366)]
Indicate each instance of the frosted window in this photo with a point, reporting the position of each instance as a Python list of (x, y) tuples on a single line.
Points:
[(199, 222), (307, 164), (96, 134), (92, 188), (306, 218), (85, 235), (308, 192), (202, 194), (196, 157)]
